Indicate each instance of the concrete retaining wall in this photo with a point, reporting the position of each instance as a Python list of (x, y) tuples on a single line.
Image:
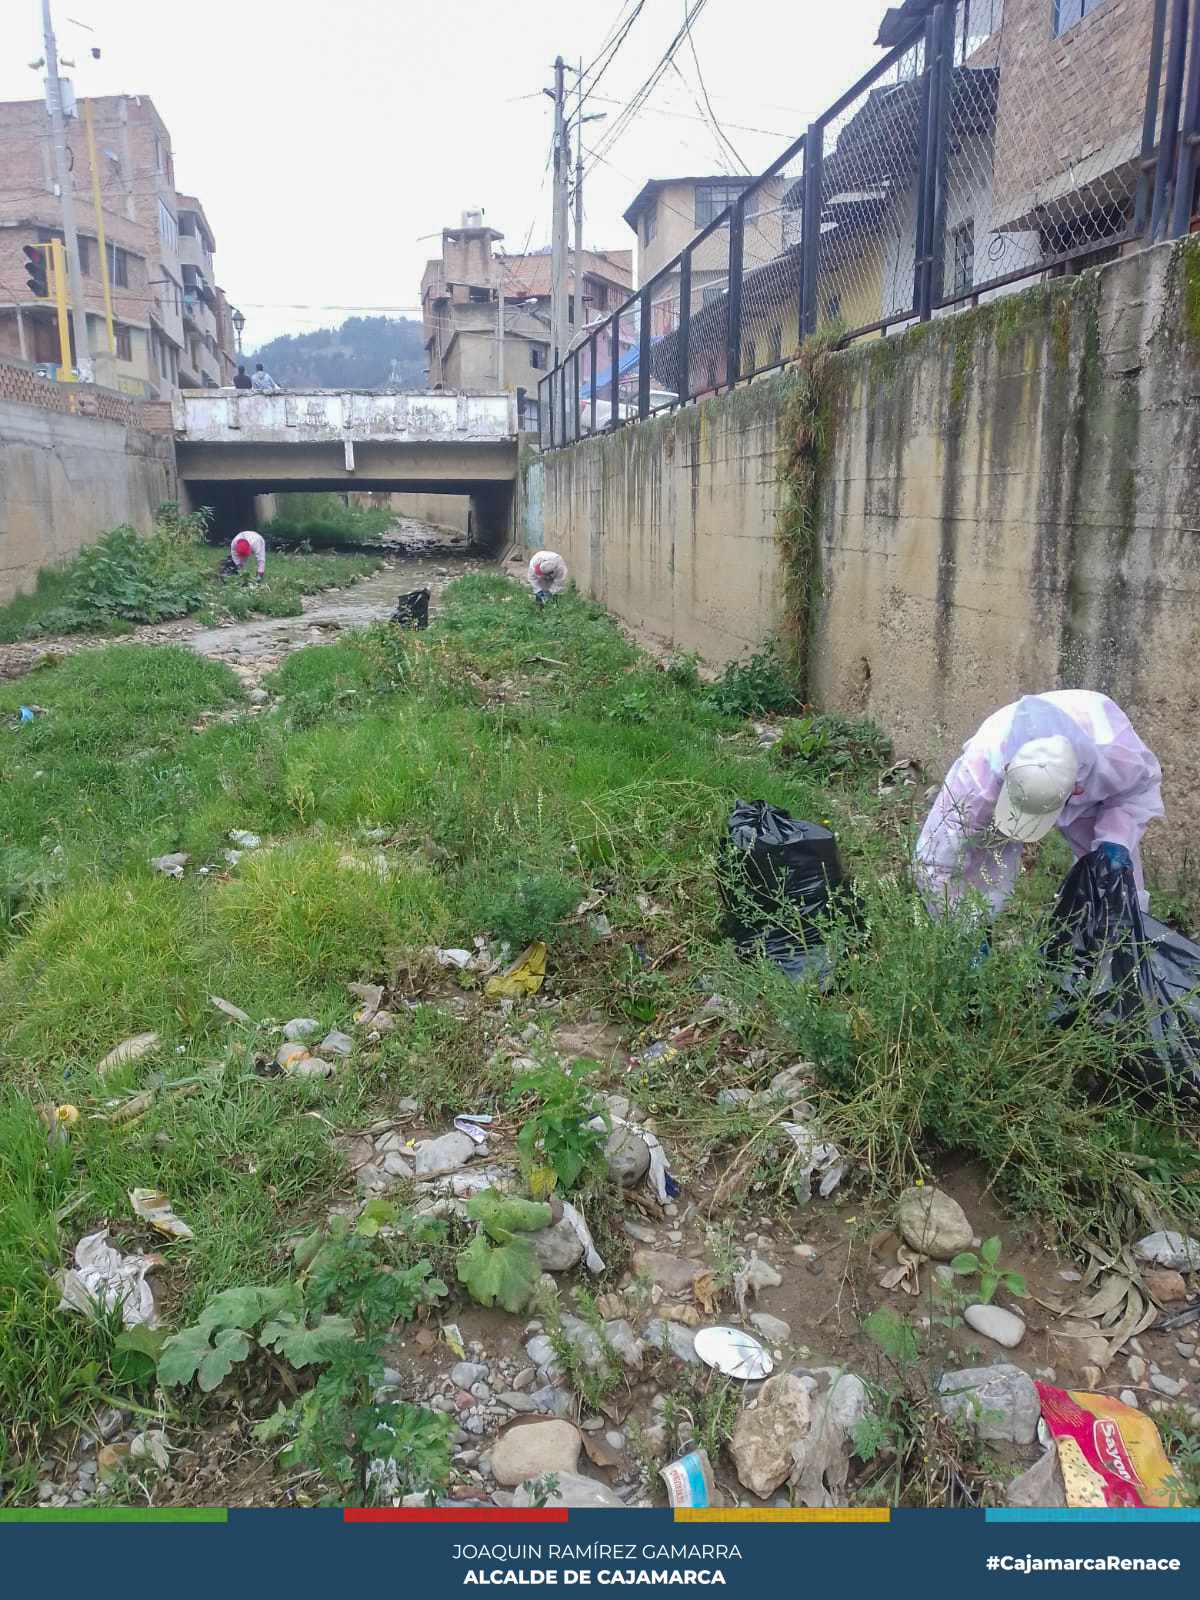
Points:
[(65, 479), (1008, 501)]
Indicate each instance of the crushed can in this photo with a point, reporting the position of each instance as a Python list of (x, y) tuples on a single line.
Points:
[(690, 1481)]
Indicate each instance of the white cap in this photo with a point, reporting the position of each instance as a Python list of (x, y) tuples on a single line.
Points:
[(1037, 784)]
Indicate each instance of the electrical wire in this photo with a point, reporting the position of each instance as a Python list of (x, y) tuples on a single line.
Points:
[(626, 117), (717, 129), (608, 61)]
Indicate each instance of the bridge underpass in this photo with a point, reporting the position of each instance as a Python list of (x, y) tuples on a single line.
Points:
[(231, 448)]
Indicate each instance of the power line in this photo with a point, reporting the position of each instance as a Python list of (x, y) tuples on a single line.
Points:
[(625, 117), (717, 129), (619, 41)]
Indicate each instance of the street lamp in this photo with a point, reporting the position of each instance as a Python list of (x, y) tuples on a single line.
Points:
[(239, 322)]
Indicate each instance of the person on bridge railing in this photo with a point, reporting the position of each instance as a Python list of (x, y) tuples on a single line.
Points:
[(241, 379), (262, 382), (1068, 759), (244, 545), (547, 576)]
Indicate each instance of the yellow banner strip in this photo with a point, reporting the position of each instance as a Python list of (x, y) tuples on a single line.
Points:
[(780, 1514)]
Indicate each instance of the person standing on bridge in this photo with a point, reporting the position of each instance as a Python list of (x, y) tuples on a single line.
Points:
[(262, 382), (244, 545), (241, 379), (547, 576), (1069, 759)]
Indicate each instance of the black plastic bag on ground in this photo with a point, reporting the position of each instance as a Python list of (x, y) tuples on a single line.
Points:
[(1131, 976), (412, 610), (778, 876)]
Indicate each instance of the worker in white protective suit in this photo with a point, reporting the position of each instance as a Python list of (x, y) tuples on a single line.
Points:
[(1068, 759), (547, 576)]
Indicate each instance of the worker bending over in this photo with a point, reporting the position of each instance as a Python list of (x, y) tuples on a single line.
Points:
[(245, 545), (547, 576), (1068, 759)]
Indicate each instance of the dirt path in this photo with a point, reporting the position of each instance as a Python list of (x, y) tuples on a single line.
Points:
[(253, 647)]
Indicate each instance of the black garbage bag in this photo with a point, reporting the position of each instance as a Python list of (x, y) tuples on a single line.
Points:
[(1136, 978), (778, 876), (412, 610)]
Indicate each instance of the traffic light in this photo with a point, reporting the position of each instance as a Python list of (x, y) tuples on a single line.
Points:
[(37, 270)]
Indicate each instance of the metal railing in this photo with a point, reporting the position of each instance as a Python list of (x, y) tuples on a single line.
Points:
[(962, 163)]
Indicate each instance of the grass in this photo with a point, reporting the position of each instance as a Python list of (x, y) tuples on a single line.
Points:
[(500, 792), (325, 521), (124, 579)]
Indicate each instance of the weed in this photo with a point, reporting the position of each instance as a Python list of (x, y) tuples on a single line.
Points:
[(324, 520), (832, 748), (754, 687), (517, 903), (500, 1265), (337, 1314), (991, 1274), (587, 1356), (558, 1147)]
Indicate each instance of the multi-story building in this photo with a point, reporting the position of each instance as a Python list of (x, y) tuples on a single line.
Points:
[(158, 247), (1041, 168), (460, 292)]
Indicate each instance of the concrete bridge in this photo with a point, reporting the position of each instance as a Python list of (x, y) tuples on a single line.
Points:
[(231, 446)]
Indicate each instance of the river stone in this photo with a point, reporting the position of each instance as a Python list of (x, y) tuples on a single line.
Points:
[(763, 1434), (337, 1044), (1169, 1249), (999, 1403), (774, 1329), (1039, 1485), (997, 1324), (676, 1340), (572, 1490), (619, 1333), (533, 1448), (933, 1223), (464, 1373), (673, 1274), (558, 1247), (628, 1157), (446, 1154)]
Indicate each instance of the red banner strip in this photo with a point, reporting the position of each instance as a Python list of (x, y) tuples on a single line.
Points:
[(454, 1514)]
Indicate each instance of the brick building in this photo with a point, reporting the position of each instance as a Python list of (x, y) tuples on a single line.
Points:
[(459, 293), (171, 323)]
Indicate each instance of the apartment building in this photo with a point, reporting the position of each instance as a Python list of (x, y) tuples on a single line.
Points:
[(460, 291), (169, 330)]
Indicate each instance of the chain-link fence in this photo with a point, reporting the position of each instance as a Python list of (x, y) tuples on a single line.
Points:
[(983, 149)]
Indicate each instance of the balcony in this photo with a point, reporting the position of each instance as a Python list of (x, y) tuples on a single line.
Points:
[(192, 253)]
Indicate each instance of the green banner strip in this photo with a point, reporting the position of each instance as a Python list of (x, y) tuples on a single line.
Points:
[(118, 1514)]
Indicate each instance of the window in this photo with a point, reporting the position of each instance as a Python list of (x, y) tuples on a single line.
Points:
[(120, 268), (974, 23), (537, 358), (712, 199), (650, 224), (85, 257), (124, 342), (168, 228), (480, 297), (1068, 12), (964, 256)]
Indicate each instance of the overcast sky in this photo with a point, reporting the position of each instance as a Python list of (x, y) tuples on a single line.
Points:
[(326, 139)]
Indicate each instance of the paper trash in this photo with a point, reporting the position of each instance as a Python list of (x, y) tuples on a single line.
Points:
[(103, 1277), (155, 1209)]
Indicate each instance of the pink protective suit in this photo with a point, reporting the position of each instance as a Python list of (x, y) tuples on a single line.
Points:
[(1117, 795)]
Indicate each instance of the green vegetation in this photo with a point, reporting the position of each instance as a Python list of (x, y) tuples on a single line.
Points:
[(124, 579), (398, 773), (363, 353), (323, 521)]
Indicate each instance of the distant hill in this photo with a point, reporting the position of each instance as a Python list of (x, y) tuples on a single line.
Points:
[(358, 355)]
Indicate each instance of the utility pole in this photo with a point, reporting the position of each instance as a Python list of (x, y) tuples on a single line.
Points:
[(558, 231), (577, 307), (66, 198), (500, 330)]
